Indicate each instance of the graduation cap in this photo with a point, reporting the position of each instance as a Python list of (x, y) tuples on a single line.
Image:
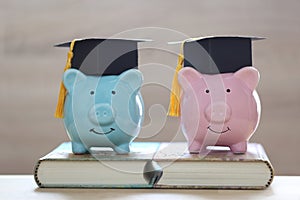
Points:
[(98, 57), (211, 55)]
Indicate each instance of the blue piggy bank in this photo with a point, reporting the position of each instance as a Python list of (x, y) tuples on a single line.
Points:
[(105, 111)]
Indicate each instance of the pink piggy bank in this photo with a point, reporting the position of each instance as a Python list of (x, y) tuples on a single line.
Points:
[(220, 109)]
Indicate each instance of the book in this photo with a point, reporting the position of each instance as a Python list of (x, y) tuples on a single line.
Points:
[(102, 168), (155, 165), (219, 168)]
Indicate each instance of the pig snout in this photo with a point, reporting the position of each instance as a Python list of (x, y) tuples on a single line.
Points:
[(102, 114), (218, 112)]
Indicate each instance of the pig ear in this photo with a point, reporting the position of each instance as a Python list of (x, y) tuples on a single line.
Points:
[(70, 76), (248, 75), (133, 77), (187, 76)]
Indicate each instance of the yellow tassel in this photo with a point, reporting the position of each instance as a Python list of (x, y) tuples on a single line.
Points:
[(174, 106), (59, 113)]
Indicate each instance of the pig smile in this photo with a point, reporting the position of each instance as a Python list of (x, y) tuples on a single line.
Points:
[(105, 133), (218, 132)]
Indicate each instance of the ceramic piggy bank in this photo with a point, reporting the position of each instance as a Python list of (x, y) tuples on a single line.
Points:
[(222, 109), (103, 111), (102, 104), (215, 84)]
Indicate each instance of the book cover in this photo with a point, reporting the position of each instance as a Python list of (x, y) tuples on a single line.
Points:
[(155, 165)]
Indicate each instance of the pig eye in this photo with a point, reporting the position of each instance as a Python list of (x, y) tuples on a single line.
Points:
[(92, 92), (207, 91), (228, 90), (113, 92)]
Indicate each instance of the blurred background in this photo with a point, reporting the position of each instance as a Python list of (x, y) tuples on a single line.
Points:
[(31, 68)]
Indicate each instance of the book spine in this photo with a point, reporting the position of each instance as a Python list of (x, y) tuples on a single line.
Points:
[(271, 173), (263, 156), (35, 174)]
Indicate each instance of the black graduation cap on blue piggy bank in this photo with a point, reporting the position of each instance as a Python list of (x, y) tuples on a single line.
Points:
[(100, 98), (100, 57), (218, 103)]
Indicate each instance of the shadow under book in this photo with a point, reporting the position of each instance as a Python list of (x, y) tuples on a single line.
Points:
[(155, 165)]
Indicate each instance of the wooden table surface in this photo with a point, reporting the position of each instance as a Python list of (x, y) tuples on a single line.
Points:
[(24, 187)]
